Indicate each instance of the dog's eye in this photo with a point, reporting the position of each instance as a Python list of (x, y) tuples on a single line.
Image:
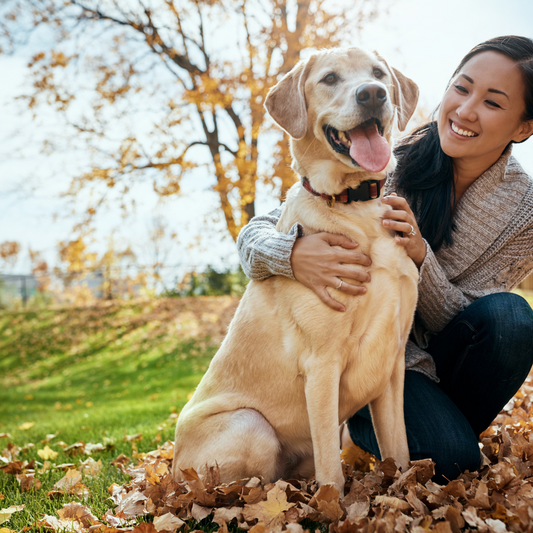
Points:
[(330, 78), (378, 73)]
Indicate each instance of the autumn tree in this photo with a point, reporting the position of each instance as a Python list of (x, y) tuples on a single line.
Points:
[(158, 89)]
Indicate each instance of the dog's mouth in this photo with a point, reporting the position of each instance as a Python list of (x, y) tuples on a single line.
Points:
[(364, 144)]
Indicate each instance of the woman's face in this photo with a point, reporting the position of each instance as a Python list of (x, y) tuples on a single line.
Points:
[(482, 110)]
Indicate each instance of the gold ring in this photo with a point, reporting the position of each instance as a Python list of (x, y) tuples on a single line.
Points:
[(412, 232), (339, 285)]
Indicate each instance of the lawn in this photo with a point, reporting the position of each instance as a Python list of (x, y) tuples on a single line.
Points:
[(81, 387), (115, 375)]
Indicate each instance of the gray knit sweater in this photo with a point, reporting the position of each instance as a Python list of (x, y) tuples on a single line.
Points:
[(492, 252)]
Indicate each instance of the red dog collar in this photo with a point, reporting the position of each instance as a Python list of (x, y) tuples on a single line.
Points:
[(367, 190)]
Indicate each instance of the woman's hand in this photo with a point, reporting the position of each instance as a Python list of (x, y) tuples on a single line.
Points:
[(317, 265), (401, 219)]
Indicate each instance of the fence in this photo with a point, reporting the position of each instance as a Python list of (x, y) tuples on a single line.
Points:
[(17, 290)]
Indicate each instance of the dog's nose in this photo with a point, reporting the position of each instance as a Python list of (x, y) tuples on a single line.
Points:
[(371, 95)]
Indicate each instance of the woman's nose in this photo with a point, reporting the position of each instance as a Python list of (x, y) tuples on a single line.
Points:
[(467, 111)]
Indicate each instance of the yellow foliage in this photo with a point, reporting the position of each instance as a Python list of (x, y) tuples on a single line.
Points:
[(209, 112)]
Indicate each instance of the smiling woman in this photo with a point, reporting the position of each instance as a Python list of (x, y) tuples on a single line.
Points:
[(464, 214)]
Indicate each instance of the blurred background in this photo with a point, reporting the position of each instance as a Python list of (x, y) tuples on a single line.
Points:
[(134, 143)]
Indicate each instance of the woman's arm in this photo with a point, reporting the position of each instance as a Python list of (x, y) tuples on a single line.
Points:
[(314, 260), (440, 300), (264, 251)]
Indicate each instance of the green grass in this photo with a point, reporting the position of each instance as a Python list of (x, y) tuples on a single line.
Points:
[(96, 375)]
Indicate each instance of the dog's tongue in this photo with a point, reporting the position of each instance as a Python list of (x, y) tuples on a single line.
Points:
[(369, 148)]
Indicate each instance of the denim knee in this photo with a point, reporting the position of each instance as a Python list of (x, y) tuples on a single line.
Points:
[(507, 319), (505, 313), (454, 455)]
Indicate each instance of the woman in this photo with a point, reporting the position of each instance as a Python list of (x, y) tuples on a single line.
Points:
[(463, 210)]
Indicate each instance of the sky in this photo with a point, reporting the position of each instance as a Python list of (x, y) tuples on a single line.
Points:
[(423, 39)]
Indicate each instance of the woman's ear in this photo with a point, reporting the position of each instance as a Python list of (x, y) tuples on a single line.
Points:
[(525, 130), (286, 102)]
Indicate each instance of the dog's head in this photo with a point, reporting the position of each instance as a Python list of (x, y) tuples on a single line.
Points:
[(346, 99)]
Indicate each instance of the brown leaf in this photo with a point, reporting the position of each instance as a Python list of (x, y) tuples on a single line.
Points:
[(472, 519), (13, 468), (143, 527), (67, 483), (416, 504), (358, 458), (442, 527), (327, 493), (167, 522), (425, 470), (481, 499), (199, 513), (357, 511), (225, 515), (395, 503), (456, 489), (453, 516), (131, 505), (28, 482), (271, 512), (78, 512)]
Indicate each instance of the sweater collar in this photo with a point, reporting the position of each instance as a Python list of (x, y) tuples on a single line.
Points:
[(484, 212)]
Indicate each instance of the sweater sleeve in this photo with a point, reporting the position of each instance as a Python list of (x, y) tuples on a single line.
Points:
[(439, 300), (264, 251)]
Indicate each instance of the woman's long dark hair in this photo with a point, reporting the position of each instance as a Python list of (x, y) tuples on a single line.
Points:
[(425, 173)]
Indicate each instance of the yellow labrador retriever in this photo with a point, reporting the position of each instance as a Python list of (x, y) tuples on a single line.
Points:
[(291, 369)]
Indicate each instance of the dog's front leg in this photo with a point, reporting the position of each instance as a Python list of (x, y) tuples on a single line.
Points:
[(388, 417), (322, 398)]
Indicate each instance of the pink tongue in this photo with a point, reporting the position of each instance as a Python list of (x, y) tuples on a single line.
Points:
[(369, 148)]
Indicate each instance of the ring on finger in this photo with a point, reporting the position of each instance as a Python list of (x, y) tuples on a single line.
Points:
[(412, 232), (338, 287)]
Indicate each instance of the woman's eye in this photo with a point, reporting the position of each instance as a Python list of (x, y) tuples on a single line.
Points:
[(330, 79), (461, 89), (378, 73), (493, 104)]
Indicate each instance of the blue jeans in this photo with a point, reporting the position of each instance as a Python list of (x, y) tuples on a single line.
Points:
[(482, 356)]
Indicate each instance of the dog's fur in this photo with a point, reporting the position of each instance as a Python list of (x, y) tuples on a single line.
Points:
[(291, 369)]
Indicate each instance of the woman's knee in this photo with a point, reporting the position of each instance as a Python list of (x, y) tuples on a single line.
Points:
[(506, 320), (454, 455), (505, 313)]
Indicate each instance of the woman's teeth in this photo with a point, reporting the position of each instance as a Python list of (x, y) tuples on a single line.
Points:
[(464, 133)]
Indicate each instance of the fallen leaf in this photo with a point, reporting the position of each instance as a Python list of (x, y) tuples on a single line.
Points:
[(47, 453), (68, 482), (393, 502), (167, 522), (26, 425), (28, 482), (5, 514), (13, 468), (78, 512), (90, 467), (271, 512)]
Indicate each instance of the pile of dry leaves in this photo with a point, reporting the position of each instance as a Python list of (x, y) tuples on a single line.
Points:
[(378, 496)]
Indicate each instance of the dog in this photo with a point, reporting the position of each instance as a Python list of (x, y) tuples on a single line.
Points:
[(291, 369)]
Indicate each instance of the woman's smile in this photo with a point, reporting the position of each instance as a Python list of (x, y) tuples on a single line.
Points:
[(462, 131), (482, 110)]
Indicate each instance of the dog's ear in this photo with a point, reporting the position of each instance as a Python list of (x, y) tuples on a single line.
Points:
[(286, 100), (404, 95), (405, 92)]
